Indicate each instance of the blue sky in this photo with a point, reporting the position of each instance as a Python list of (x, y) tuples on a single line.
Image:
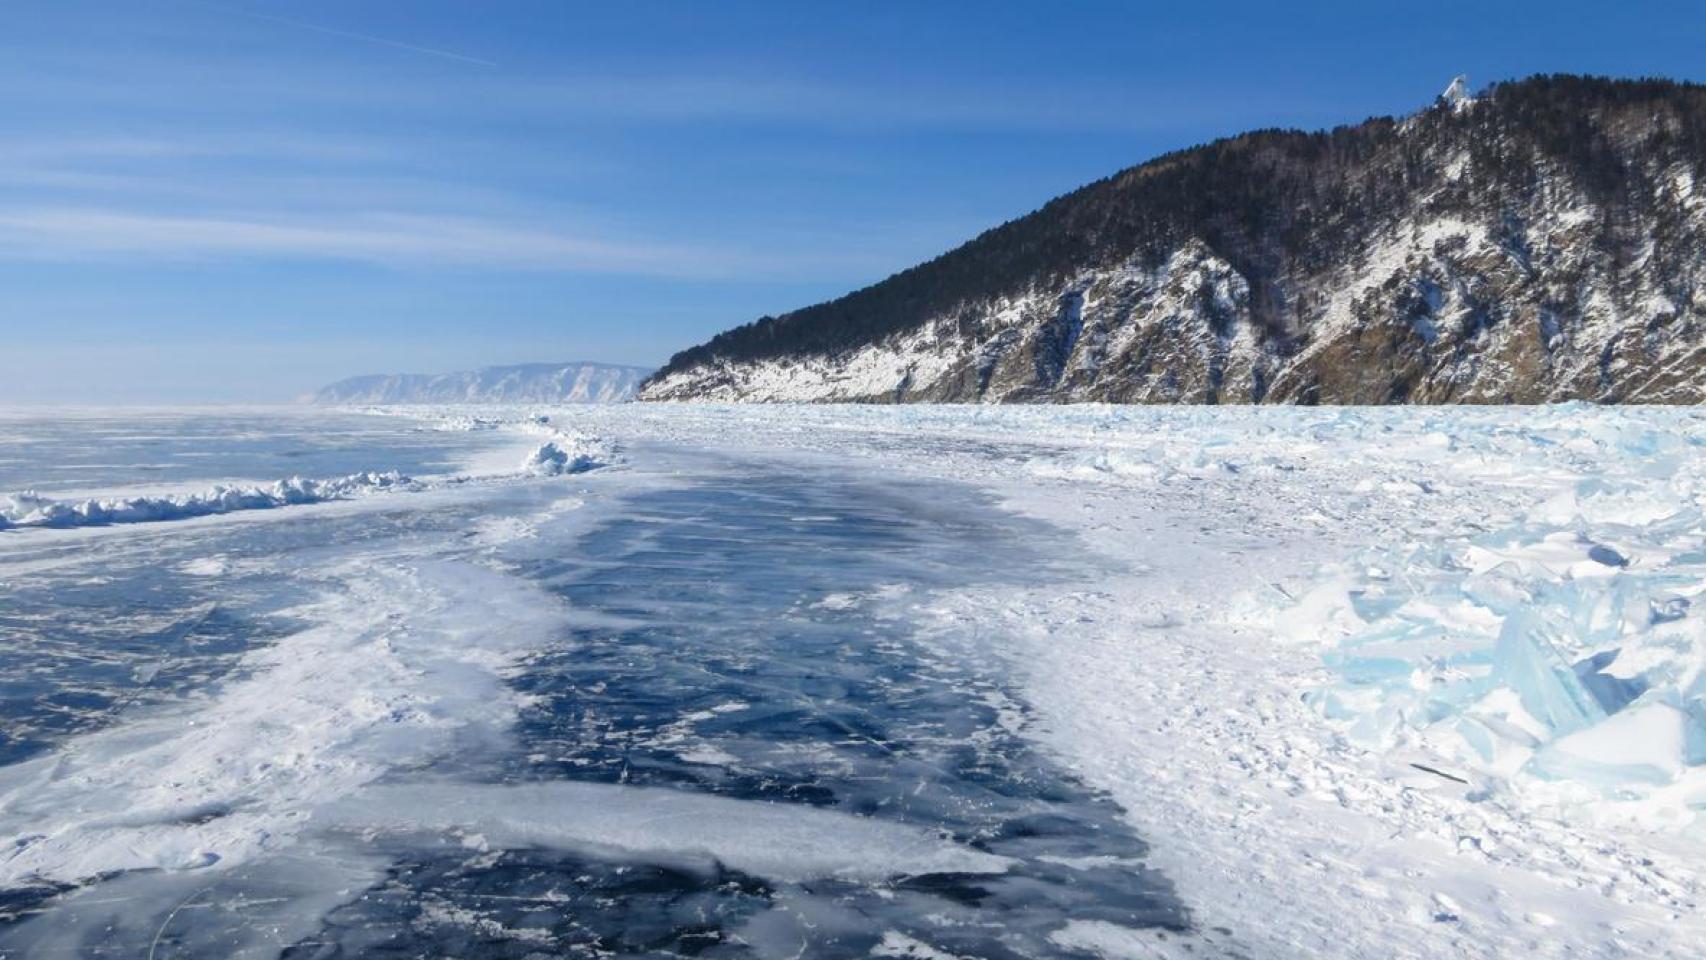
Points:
[(228, 201)]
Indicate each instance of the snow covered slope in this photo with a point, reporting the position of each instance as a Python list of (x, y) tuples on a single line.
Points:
[(577, 382), (1544, 241)]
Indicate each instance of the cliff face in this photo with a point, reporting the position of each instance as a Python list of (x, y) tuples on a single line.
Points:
[(1546, 241)]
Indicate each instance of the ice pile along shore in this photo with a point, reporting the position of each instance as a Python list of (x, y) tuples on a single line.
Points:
[(1562, 657), (1522, 611), (565, 450)]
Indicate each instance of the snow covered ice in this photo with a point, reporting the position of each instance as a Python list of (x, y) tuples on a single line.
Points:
[(854, 681)]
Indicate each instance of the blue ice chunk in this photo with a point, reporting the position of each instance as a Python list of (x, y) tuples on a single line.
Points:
[(1602, 554), (1667, 608), (1611, 693), (1590, 614), (1371, 605), (1500, 589), (1368, 670), (1456, 695), (1526, 659), (1329, 704), (1694, 735)]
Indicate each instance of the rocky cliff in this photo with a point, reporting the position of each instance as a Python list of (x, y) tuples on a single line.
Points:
[(1543, 241)]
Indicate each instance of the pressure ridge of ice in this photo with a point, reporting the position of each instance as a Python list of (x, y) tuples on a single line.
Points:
[(28, 509), (564, 452), (1562, 655)]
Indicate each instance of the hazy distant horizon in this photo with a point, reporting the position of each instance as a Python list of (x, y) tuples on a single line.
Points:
[(188, 375)]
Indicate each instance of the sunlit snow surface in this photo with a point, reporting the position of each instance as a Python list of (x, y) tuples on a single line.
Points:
[(856, 681)]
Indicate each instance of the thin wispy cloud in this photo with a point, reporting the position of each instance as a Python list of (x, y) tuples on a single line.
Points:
[(804, 102), (185, 145), (362, 37), (387, 239)]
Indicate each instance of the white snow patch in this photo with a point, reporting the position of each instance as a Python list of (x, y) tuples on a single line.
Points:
[(1114, 942), (205, 566)]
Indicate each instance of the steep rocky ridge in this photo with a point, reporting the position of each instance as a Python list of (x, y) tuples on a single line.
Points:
[(1543, 241)]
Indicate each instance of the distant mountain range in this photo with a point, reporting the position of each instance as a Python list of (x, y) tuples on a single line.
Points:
[(1545, 240), (523, 383)]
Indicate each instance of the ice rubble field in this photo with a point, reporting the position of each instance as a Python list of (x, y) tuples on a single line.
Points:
[(1520, 611), (1546, 651)]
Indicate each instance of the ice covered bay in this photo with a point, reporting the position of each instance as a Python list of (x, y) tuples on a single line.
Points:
[(869, 681), (677, 704)]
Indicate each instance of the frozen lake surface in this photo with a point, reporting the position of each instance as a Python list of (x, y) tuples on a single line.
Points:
[(855, 681), (713, 728), (60, 451)]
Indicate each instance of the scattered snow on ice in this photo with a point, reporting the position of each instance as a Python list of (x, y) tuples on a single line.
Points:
[(205, 567), (402, 663), (1114, 942)]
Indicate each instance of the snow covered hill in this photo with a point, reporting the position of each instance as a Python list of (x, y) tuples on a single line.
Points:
[(1545, 240), (577, 382)]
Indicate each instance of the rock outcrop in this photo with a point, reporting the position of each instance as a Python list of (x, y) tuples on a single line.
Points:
[(1543, 241)]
